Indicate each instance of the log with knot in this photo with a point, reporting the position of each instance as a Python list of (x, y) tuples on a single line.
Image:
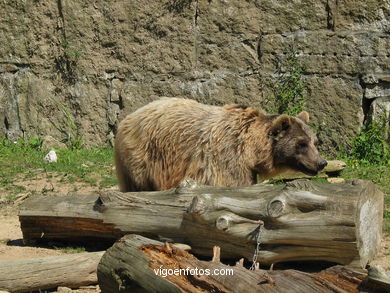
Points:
[(299, 220)]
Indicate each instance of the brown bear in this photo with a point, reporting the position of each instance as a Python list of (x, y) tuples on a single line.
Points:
[(171, 139)]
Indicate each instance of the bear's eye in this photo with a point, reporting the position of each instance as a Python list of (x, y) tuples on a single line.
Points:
[(302, 144)]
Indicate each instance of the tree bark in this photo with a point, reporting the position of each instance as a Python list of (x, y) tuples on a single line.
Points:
[(138, 264), (300, 220), (71, 270), (378, 279)]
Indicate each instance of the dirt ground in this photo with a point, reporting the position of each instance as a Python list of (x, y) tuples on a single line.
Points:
[(13, 248), (11, 238)]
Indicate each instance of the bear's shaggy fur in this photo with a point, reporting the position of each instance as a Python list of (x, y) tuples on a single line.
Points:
[(171, 139)]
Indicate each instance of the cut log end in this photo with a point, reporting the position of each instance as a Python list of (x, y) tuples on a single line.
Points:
[(369, 223)]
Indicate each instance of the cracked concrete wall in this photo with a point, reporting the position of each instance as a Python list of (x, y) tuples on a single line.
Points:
[(85, 64)]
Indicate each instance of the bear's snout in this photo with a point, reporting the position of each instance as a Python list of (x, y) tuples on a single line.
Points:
[(322, 164)]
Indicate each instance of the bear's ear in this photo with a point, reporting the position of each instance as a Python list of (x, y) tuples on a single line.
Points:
[(304, 116), (280, 124)]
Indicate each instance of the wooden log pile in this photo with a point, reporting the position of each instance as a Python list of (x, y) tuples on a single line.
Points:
[(264, 224), (138, 264), (300, 220)]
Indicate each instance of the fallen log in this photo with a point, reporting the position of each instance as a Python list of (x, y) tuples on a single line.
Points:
[(300, 220), (70, 270), (333, 167), (138, 264)]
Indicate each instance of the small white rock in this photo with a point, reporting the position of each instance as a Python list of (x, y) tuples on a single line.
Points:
[(51, 157)]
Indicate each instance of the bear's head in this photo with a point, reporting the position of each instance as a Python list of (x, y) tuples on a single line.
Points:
[(294, 144)]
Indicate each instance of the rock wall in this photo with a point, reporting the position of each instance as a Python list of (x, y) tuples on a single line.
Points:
[(73, 68)]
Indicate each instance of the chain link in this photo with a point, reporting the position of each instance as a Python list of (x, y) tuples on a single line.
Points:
[(256, 254)]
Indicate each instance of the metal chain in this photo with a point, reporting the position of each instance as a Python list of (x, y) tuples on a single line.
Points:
[(256, 254)]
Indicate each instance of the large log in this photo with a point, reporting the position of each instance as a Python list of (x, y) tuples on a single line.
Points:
[(70, 270), (303, 220), (138, 264)]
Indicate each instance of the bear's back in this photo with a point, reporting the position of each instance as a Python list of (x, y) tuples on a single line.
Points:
[(170, 118)]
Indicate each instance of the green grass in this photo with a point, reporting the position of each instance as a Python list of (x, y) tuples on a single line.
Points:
[(386, 221), (24, 160), (108, 181), (70, 249), (377, 173)]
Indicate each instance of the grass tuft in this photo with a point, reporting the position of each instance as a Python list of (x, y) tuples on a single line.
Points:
[(23, 160)]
